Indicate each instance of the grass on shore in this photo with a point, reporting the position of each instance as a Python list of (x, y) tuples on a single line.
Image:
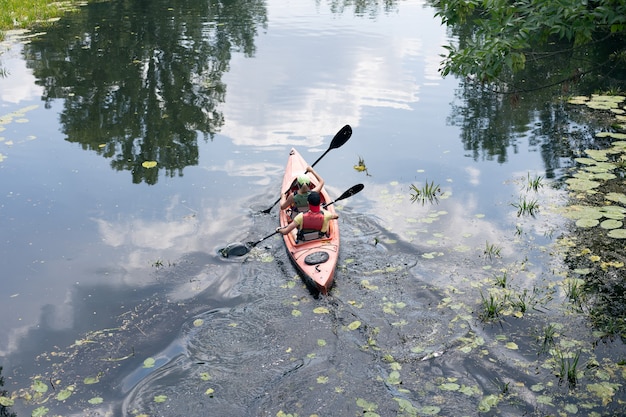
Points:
[(24, 14)]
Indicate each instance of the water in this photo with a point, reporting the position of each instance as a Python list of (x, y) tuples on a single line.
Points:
[(110, 270)]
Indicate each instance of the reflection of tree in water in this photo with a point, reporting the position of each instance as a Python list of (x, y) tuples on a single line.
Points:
[(4, 411), (140, 79)]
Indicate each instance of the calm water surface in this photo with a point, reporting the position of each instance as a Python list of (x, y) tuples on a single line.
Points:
[(114, 296)]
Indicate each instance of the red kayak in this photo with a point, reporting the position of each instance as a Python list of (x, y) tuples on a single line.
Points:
[(316, 259)]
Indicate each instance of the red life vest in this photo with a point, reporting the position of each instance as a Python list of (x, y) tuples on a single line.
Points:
[(312, 221)]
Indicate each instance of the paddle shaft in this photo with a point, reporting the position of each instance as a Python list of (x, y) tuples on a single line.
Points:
[(348, 193)]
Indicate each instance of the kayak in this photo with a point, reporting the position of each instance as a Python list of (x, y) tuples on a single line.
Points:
[(315, 259)]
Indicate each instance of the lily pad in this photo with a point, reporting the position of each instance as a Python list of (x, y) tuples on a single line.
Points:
[(611, 224), (617, 233)]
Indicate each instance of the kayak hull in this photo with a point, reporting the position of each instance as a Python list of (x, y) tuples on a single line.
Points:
[(315, 260)]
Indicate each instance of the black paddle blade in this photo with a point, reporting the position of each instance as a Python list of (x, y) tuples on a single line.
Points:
[(341, 137), (348, 193), (235, 249)]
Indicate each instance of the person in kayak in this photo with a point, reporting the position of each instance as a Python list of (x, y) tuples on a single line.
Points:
[(312, 224), (297, 200)]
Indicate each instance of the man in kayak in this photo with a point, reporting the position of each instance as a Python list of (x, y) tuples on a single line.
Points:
[(315, 220), (298, 199)]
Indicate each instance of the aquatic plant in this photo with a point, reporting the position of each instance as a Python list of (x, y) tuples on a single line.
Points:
[(547, 338), (567, 367), (535, 183), (491, 307), (492, 250), (427, 193), (525, 206)]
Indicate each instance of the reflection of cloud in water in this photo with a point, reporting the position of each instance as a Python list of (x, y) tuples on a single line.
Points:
[(474, 175), (19, 85), (385, 70)]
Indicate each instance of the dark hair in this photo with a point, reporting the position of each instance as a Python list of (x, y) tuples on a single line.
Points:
[(314, 198)]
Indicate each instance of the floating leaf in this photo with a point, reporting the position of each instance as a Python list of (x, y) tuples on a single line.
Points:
[(149, 164), (198, 322), (39, 412), (296, 313), (611, 224), (160, 398), (430, 410), (321, 342), (205, 376), (322, 379), (91, 380), (64, 394), (95, 400), (366, 405), (149, 363), (209, 392), (512, 346), (617, 233), (6, 401), (450, 386), (587, 222), (486, 403), (354, 325), (321, 310), (39, 386)]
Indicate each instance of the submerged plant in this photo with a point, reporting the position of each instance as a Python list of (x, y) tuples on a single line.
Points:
[(568, 368), (492, 250), (491, 307), (534, 183), (427, 193), (526, 207), (547, 338)]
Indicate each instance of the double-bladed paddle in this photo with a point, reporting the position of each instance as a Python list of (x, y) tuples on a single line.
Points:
[(340, 138), (240, 249)]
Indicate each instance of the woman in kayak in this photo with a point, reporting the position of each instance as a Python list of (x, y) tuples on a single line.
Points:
[(298, 199)]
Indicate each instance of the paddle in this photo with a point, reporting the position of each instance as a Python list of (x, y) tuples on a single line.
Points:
[(348, 193), (239, 249), (340, 138)]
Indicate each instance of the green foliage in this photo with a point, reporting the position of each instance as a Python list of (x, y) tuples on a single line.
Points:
[(497, 38)]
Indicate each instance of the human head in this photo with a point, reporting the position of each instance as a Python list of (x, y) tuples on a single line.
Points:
[(314, 200), (303, 180)]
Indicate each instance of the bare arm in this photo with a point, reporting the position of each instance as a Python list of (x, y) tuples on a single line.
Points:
[(286, 200), (286, 229), (320, 180)]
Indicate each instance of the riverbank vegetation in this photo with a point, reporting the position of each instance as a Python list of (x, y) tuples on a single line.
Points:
[(533, 44), (21, 14)]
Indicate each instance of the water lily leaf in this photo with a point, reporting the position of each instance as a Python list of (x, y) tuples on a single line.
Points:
[(321, 342), (512, 346), (597, 154), (64, 394), (604, 390), (366, 405), (617, 197), (39, 412), (95, 400), (611, 224), (91, 380), (296, 313), (321, 310), (322, 379), (149, 164), (149, 363), (160, 398), (394, 378), (544, 399), (209, 392), (354, 325), (6, 401), (429, 410), (486, 403), (198, 322), (587, 222), (39, 386), (450, 386), (581, 184), (205, 376), (617, 233)]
